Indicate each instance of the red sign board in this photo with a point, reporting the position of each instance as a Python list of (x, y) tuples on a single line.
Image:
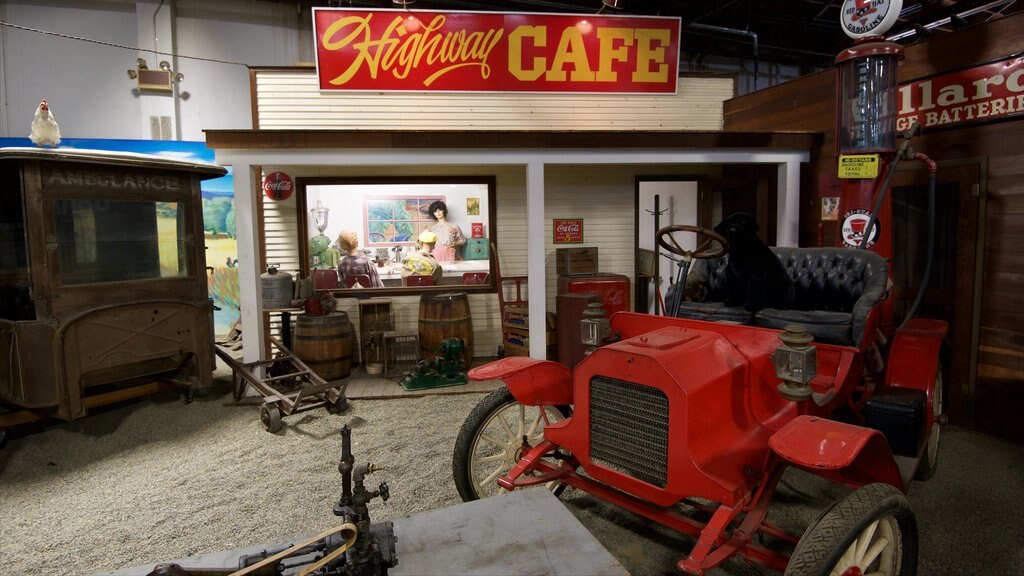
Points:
[(396, 50), (278, 186), (989, 92), (568, 231)]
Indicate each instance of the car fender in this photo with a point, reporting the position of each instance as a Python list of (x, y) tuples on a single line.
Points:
[(843, 453), (532, 382), (914, 355)]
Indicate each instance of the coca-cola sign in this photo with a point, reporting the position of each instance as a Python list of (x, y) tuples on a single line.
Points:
[(278, 186), (568, 231)]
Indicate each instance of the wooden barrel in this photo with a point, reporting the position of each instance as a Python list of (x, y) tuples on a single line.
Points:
[(324, 343), (445, 316)]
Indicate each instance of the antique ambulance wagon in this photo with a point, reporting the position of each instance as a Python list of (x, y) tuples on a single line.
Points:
[(103, 288)]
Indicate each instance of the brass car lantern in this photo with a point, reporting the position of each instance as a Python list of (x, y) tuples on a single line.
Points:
[(795, 363)]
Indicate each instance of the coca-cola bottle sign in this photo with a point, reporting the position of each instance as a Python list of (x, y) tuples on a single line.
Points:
[(568, 231), (278, 186)]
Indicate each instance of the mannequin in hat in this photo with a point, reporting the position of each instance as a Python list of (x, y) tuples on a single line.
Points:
[(450, 239), (354, 262), (422, 261)]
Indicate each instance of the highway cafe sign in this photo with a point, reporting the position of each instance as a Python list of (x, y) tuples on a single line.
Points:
[(396, 50), (990, 92)]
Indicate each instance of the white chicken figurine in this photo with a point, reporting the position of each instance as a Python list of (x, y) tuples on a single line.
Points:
[(45, 131)]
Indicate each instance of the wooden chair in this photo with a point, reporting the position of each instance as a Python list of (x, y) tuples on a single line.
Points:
[(325, 279), (419, 281), (475, 278), (361, 279)]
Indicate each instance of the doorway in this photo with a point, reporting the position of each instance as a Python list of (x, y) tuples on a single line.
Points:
[(661, 202), (950, 293)]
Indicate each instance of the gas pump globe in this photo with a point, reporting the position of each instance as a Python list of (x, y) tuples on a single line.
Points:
[(867, 98)]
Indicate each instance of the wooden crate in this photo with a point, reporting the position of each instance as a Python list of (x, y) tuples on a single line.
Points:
[(515, 329), (581, 260)]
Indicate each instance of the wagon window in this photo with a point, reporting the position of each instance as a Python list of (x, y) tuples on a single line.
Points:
[(112, 241), (13, 256), (15, 303)]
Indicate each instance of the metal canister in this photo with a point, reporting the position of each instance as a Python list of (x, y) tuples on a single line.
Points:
[(277, 288)]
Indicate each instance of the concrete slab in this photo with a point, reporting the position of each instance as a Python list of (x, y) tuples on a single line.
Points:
[(523, 532)]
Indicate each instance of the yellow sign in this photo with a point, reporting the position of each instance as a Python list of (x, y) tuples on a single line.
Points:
[(858, 166)]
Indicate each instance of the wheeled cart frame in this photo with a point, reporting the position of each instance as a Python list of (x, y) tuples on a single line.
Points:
[(288, 388)]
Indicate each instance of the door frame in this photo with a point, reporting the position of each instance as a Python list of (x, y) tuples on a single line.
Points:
[(972, 176)]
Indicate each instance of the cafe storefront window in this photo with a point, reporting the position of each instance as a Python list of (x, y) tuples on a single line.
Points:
[(387, 216)]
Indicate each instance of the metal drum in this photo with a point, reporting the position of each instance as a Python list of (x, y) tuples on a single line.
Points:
[(324, 343), (445, 316)]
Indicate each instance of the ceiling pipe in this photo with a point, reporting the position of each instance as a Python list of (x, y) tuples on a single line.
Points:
[(747, 33), (949, 19)]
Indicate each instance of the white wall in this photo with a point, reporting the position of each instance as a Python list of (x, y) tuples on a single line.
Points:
[(87, 84)]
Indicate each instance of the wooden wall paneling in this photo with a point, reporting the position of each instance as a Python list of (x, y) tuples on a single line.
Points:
[(291, 99), (808, 104)]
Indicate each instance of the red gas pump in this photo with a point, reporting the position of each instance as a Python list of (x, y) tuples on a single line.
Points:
[(866, 98)]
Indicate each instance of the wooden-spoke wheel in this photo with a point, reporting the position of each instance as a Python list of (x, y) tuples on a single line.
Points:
[(870, 532), (493, 439)]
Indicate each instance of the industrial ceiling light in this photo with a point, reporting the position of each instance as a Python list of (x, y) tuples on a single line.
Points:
[(403, 2)]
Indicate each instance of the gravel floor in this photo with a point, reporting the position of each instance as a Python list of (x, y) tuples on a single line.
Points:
[(158, 479)]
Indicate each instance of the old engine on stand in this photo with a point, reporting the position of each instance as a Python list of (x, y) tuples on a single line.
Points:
[(441, 370), (357, 547)]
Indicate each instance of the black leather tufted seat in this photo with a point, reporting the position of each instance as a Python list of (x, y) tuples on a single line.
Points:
[(836, 289)]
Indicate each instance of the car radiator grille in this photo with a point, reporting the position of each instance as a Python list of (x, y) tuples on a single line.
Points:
[(629, 429)]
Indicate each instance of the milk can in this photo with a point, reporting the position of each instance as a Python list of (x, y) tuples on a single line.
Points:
[(277, 288)]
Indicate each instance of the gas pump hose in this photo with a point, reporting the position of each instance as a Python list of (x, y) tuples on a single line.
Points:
[(873, 220)]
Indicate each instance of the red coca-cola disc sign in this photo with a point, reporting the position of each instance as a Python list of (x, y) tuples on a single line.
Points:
[(278, 186)]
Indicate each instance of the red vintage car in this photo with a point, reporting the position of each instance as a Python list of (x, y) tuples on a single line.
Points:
[(709, 408)]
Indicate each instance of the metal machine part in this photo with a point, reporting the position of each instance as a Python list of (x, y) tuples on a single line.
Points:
[(357, 547), (439, 371)]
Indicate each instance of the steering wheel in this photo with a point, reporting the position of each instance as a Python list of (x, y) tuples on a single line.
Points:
[(704, 249)]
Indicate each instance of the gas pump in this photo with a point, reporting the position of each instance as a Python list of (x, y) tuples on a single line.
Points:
[(866, 104)]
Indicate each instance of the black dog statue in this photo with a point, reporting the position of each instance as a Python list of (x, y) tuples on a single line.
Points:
[(755, 278)]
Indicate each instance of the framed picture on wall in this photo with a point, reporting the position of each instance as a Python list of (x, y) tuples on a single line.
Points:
[(830, 208)]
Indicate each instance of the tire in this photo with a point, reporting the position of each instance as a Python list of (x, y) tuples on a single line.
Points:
[(838, 541), (489, 443), (930, 458), (270, 417)]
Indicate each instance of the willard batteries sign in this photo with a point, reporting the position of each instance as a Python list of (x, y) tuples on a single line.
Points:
[(402, 50), (989, 92)]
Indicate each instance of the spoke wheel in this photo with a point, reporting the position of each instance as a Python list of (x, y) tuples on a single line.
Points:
[(930, 459), (870, 532), (490, 442)]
